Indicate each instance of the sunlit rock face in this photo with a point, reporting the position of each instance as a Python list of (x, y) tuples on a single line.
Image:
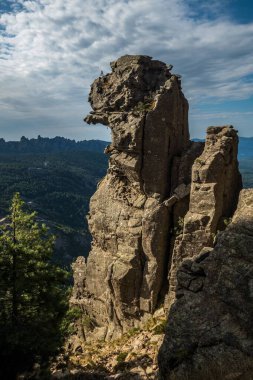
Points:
[(130, 218)]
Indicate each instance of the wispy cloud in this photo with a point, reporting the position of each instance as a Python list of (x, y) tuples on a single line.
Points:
[(52, 50)]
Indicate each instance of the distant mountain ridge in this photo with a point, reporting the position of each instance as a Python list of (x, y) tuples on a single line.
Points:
[(61, 144), (50, 145)]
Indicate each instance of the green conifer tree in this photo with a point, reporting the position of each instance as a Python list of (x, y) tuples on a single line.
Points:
[(33, 298)]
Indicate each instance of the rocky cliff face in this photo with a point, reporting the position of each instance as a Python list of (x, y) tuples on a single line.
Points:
[(162, 201), (210, 324), (215, 186)]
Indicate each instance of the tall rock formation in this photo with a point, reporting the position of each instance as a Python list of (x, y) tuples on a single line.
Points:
[(158, 182), (215, 186), (142, 103), (209, 332)]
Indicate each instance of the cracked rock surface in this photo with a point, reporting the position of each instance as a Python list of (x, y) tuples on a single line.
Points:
[(215, 187), (142, 103), (210, 323)]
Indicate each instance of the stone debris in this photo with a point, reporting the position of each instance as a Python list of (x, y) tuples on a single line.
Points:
[(132, 356)]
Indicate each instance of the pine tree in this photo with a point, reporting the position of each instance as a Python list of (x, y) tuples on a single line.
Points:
[(33, 298)]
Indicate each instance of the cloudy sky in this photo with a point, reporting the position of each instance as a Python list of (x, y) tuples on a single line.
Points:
[(51, 51)]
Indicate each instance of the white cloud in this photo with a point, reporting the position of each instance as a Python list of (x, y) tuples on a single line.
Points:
[(57, 48)]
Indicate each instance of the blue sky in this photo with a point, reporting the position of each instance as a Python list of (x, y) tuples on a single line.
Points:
[(51, 51)]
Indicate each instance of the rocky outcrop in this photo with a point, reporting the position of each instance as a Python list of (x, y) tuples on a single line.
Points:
[(215, 186), (210, 323), (130, 215), (163, 198)]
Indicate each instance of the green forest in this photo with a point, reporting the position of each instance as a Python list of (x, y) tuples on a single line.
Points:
[(58, 186)]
